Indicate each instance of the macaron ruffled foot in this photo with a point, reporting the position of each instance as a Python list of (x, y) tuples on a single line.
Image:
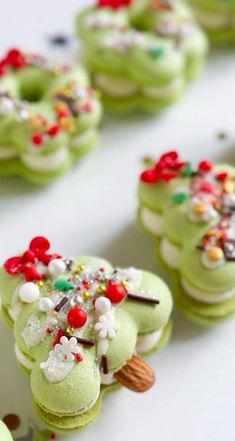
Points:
[(49, 116), (80, 326), (184, 207), (141, 53)]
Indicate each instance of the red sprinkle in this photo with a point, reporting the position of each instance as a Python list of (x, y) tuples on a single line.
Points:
[(53, 130), (63, 113), (221, 176), (205, 166), (49, 330), (58, 337), (37, 139), (78, 357)]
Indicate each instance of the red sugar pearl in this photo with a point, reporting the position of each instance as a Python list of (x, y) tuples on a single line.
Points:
[(205, 166), (78, 357), (115, 292), (37, 139), (76, 317)]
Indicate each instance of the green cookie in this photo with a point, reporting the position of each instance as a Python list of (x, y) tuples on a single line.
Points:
[(217, 17), (190, 212), (78, 325), (48, 116), (141, 55)]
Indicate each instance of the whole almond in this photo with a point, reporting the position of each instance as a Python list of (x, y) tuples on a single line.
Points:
[(136, 375)]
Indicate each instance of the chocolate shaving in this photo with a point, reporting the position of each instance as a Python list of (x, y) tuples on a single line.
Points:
[(143, 299), (61, 304), (70, 103), (80, 340), (104, 363)]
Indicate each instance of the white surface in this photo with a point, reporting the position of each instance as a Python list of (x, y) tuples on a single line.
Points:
[(92, 210)]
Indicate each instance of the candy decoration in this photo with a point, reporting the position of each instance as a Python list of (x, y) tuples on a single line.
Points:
[(115, 292), (102, 304), (205, 166), (168, 167), (221, 176), (77, 317), (29, 292), (37, 139), (157, 52), (46, 305), (53, 130), (115, 4), (56, 267), (25, 264), (179, 198), (63, 285)]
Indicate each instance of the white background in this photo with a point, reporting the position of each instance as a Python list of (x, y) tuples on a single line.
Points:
[(91, 210)]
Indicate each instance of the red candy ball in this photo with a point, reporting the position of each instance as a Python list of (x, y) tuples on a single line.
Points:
[(221, 176), (37, 139), (76, 317), (205, 166), (115, 292), (53, 130)]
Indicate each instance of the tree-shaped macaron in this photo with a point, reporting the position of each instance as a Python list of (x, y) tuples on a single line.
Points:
[(79, 325)]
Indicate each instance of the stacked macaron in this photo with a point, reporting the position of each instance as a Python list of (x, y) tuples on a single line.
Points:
[(183, 207), (141, 54), (218, 19), (79, 325), (48, 116)]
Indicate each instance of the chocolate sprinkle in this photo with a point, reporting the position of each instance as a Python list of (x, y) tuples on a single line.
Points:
[(143, 299), (82, 341), (61, 304), (104, 362), (12, 421)]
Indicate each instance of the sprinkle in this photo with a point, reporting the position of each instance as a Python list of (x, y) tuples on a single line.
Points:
[(104, 362), (157, 52), (179, 197), (82, 341), (143, 299), (59, 334), (187, 170), (63, 285), (61, 304)]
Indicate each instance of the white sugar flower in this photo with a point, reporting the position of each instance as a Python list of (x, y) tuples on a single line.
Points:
[(67, 348), (107, 326)]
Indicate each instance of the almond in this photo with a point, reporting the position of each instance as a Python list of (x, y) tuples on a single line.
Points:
[(136, 375)]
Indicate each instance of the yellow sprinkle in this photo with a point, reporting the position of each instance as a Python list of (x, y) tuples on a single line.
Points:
[(199, 208), (70, 330), (215, 253), (85, 295), (40, 283), (79, 269), (229, 187), (54, 313), (101, 289)]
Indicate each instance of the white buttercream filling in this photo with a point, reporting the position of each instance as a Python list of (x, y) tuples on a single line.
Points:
[(23, 360), (81, 139), (170, 253), (122, 87), (164, 90), (147, 342), (151, 221), (115, 86), (7, 152), (45, 163), (206, 297)]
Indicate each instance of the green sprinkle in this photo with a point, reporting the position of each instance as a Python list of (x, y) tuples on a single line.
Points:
[(157, 52), (187, 170), (63, 285), (179, 197)]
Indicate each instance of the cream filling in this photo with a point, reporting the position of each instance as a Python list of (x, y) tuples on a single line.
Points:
[(115, 86), (45, 163), (79, 140), (122, 87), (23, 360), (215, 21), (147, 342), (151, 221), (170, 253), (7, 152), (205, 297), (163, 91)]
